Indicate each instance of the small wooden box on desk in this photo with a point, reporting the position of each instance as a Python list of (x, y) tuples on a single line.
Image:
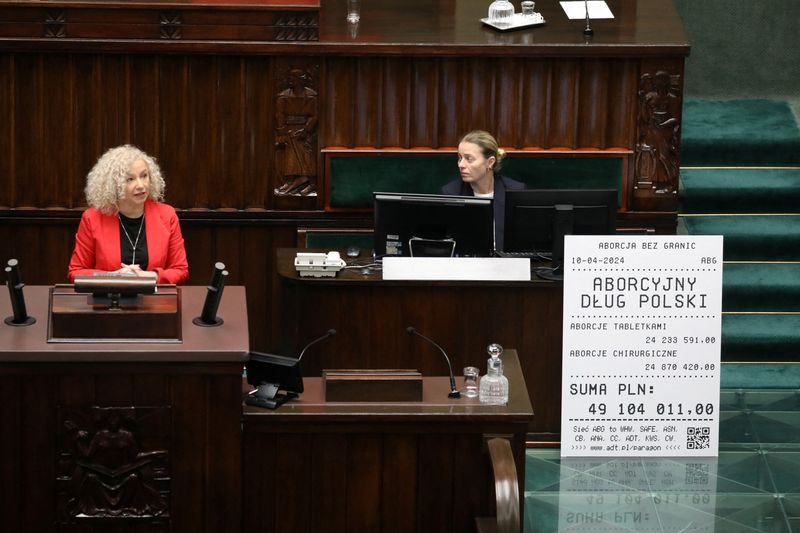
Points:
[(369, 385)]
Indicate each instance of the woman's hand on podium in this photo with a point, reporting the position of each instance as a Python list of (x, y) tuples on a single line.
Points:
[(135, 269)]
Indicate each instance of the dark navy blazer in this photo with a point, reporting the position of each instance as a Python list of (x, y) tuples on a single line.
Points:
[(501, 184)]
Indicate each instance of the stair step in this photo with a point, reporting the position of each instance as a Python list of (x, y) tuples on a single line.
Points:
[(761, 336), (740, 190), (739, 133), (749, 237), (773, 287)]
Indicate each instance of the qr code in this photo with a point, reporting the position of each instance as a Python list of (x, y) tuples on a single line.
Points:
[(696, 474), (698, 438)]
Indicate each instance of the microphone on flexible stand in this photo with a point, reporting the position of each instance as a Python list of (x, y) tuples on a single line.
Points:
[(330, 333), (453, 390), (588, 29)]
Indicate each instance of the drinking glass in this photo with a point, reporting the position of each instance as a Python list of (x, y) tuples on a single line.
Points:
[(471, 382), (353, 11), (528, 8)]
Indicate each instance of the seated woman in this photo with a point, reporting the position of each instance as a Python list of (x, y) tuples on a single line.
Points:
[(479, 160), (127, 229)]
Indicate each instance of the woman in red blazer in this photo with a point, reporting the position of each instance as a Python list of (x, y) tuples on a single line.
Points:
[(127, 229)]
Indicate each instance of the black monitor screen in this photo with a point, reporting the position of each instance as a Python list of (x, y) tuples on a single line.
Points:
[(537, 220), (433, 225)]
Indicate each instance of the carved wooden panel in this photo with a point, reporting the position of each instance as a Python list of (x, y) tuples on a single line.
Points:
[(657, 150), (114, 462), (297, 105)]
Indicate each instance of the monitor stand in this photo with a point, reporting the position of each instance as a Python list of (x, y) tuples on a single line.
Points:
[(266, 395), (563, 224), (420, 247)]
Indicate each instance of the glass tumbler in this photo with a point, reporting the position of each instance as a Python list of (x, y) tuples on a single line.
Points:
[(528, 8), (353, 11), (471, 381)]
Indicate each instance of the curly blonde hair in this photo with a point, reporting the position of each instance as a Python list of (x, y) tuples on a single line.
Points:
[(105, 183), (488, 145)]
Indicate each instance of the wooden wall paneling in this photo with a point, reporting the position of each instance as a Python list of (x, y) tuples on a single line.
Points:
[(450, 116), (365, 462), (256, 271), (150, 389), (259, 483), (368, 101), (292, 475), (337, 109), (57, 173), (534, 116), (28, 134), (391, 322), (398, 503), (223, 463), (203, 177), (424, 103), (231, 247), (328, 483), (538, 313), (11, 452), (8, 183), (85, 139), (145, 108), (43, 249), (175, 146), (435, 489), (593, 104), (114, 389), (38, 475), (226, 178), (112, 89), (563, 104), (507, 102), (471, 475), (395, 103), (479, 93), (190, 398), (622, 103), (258, 138)]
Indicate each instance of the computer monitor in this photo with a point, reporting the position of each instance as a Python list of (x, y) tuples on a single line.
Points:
[(536, 221), (408, 224)]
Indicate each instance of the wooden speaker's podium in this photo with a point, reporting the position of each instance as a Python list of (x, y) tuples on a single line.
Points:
[(124, 419)]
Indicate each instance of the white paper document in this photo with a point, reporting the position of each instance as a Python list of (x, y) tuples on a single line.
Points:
[(457, 268), (641, 346), (598, 9)]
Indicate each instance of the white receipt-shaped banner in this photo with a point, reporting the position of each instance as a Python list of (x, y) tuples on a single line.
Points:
[(641, 346)]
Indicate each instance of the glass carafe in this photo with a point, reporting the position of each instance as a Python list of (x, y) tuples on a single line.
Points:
[(494, 385)]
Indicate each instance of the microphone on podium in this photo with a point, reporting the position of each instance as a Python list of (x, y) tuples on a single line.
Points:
[(15, 286), (208, 317), (453, 390), (330, 333)]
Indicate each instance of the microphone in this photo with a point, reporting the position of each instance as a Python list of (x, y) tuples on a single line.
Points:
[(453, 390), (330, 333), (587, 31), (208, 317), (15, 286)]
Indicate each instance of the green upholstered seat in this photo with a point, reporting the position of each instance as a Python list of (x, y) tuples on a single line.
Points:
[(354, 176)]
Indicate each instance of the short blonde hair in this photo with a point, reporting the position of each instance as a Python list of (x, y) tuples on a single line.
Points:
[(488, 146), (105, 183)]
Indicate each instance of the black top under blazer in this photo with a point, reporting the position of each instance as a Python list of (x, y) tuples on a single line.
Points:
[(501, 184)]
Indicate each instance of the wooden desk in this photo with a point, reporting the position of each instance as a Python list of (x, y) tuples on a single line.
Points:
[(412, 467), (371, 315), (154, 426)]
